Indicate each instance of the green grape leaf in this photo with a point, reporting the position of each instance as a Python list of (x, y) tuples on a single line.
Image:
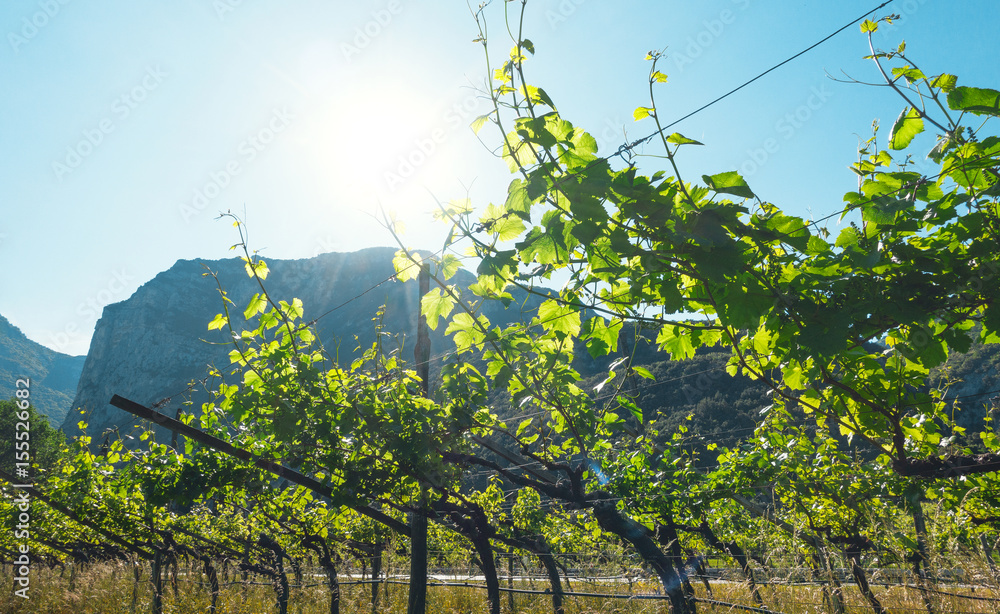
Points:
[(679, 139), (256, 305), (728, 183), (642, 113), (434, 305), (908, 125), (978, 101)]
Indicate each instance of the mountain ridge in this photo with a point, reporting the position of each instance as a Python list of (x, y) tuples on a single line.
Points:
[(53, 375), (150, 346)]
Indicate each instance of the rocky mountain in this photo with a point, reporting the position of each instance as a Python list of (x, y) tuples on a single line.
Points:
[(972, 383), (150, 346), (53, 375)]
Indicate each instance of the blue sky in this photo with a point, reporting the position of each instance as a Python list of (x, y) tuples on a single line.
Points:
[(126, 127)]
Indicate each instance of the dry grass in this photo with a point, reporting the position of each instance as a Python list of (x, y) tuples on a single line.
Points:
[(108, 589)]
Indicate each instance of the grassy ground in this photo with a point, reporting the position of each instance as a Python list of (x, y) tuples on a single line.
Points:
[(109, 589)]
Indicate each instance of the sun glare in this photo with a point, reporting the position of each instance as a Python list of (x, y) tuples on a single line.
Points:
[(382, 142)]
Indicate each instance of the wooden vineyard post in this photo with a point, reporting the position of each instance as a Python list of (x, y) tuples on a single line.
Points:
[(156, 579), (137, 574), (417, 599), (510, 581)]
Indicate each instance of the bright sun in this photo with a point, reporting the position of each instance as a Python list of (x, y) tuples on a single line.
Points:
[(380, 142)]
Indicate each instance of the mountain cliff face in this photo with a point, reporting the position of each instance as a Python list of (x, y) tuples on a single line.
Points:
[(53, 375), (975, 385), (150, 346)]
